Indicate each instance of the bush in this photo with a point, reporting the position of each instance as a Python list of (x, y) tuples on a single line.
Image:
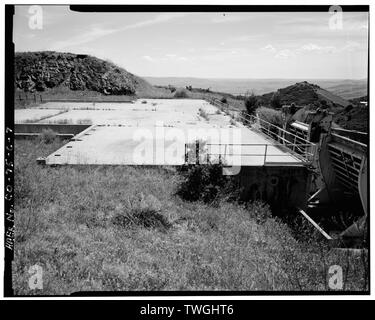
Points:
[(181, 93), (275, 101), (47, 136), (224, 100), (270, 115), (251, 103), (207, 183)]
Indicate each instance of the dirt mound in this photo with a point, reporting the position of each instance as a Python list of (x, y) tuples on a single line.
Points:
[(40, 71)]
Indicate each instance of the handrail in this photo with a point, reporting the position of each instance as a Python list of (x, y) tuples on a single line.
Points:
[(351, 131), (256, 144), (299, 146), (305, 157), (349, 140), (277, 127)]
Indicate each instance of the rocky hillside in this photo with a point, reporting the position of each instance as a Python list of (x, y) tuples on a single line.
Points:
[(41, 71), (304, 93), (353, 118)]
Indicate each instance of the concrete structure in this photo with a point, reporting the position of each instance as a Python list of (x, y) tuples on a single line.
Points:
[(157, 131)]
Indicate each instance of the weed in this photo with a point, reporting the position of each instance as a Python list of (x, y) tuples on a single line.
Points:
[(47, 136), (203, 114)]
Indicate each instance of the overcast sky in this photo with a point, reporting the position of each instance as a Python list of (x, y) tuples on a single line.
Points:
[(207, 45)]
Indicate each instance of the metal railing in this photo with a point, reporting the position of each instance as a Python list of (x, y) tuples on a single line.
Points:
[(216, 102), (263, 150), (296, 145), (225, 152)]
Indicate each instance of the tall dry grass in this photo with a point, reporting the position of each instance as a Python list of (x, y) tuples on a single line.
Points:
[(123, 228)]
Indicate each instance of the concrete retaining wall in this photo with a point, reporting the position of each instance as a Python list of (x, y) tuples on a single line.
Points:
[(280, 186), (35, 128)]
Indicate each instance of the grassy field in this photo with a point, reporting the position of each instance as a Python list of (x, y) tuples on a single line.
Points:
[(123, 228)]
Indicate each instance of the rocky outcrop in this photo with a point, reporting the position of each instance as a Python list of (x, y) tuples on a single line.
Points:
[(39, 71)]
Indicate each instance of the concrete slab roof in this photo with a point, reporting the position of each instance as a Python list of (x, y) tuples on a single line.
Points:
[(155, 132)]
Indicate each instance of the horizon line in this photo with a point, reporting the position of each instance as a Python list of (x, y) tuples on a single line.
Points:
[(240, 78)]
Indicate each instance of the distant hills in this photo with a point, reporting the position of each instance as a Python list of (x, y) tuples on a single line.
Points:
[(76, 74), (304, 93), (48, 70), (347, 89)]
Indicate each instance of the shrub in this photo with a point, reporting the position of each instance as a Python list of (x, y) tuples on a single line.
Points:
[(270, 115), (224, 100), (251, 103), (181, 93), (47, 136), (275, 101), (207, 183)]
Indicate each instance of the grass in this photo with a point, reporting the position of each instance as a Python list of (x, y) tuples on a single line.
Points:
[(123, 228)]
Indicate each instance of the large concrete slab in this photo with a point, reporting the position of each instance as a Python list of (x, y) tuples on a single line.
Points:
[(155, 131), (172, 112)]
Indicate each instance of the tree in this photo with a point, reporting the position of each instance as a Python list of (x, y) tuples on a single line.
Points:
[(251, 103), (293, 108), (323, 104), (276, 101)]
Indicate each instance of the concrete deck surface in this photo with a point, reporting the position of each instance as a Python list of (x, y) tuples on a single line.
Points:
[(155, 133)]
